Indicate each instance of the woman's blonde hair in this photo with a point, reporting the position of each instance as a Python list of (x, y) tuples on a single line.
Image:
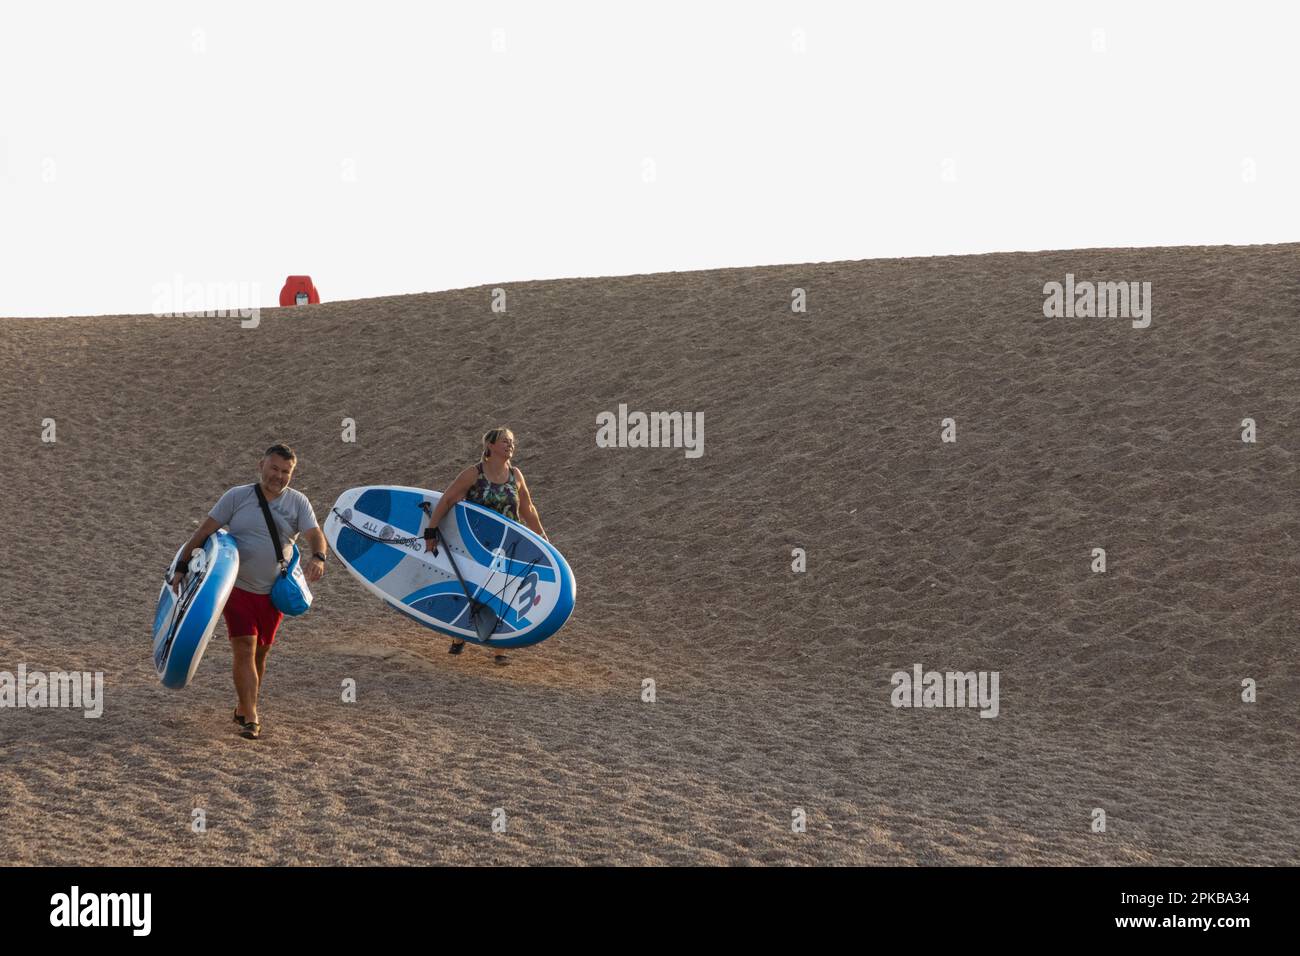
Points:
[(491, 437)]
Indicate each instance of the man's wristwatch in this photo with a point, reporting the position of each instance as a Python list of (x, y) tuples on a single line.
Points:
[(318, 557), (430, 534)]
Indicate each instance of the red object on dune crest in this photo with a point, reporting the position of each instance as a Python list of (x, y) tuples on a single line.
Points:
[(299, 290)]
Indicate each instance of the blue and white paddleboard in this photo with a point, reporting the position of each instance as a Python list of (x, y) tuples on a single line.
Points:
[(517, 575), (182, 625)]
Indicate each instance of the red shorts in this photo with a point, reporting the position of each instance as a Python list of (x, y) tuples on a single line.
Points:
[(248, 613)]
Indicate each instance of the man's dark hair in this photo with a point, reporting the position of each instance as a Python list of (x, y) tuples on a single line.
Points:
[(284, 451)]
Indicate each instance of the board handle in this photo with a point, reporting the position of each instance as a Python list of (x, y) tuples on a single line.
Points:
[(196, 563)]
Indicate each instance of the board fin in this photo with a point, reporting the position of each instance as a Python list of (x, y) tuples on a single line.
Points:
[(485, 620)]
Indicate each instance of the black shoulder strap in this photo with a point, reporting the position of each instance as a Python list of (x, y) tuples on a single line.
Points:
[(270, 524)]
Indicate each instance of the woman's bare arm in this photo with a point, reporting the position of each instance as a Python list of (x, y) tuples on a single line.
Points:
[(527, 510)]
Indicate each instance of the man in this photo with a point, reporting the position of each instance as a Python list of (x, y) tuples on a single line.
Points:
[(250, 615)]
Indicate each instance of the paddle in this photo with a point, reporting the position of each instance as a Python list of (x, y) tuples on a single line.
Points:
[(484, 618)]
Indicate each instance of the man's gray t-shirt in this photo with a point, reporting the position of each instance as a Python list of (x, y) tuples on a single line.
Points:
[(239, 510)]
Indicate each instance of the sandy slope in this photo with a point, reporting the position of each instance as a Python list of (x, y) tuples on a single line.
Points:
[(1118, 691)]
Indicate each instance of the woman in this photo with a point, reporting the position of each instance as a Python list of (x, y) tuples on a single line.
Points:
[(493, 483)]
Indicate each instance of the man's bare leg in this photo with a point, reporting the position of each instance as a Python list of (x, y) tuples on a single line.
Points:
[(247, 678), (262, 652)]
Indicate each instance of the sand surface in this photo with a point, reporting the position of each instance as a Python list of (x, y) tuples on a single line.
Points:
[(1119, 691)]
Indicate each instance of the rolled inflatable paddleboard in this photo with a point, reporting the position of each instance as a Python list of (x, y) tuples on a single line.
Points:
[(183, 624), (501, 585)]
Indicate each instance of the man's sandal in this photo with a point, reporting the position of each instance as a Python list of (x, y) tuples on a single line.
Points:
[(252, 731)]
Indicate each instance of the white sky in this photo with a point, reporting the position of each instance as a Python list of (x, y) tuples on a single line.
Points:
[(387, 147)]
